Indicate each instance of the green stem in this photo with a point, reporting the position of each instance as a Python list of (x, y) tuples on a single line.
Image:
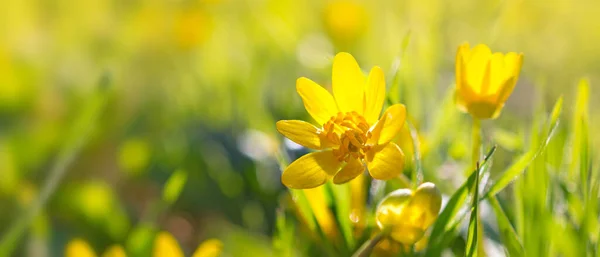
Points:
[(476, 151), (366, 249), (476, 140)]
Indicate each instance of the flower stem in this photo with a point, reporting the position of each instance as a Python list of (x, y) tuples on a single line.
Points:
[(476, 139), (366, 249)]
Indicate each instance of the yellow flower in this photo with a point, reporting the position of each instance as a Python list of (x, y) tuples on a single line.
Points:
[(209, 248), (165, 245), (484, 81), (79, 248), (407, 214), (345, 21), (115, 251), (349, 132)]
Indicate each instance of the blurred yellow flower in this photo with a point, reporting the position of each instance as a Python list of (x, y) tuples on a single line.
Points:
[(485, 80), (192, 27), (350, 135), (79, 248), (165, 245), (115, 251), (345, 21), (407, 214), (209, 248)]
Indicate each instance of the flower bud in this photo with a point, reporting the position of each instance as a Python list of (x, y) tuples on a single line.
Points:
[(407, 214)]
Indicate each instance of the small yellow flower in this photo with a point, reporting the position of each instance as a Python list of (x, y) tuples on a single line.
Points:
[(79, 248), (165, 245), (209, 248), (349, 132), (114, 251), (408, 214), (345, 21), (485, 80)]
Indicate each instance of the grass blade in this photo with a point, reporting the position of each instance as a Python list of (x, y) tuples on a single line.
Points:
[(508, 234), (445, 220), (472, 237), (515, 170)]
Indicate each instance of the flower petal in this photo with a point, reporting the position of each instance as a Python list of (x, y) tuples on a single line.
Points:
[(462, 54), (310, 170), (513, 63), (317, 100), (301, 132), (476, 65), (387, 163), (374, 95), (348, 83), (389, 125), (353, 168)]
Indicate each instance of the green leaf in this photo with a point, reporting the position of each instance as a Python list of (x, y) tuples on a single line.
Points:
[(517, 168), (509, 237), (443, 227), (174, 186), (283, 240), (579, 164), (304, 208), (141, 240), (472, 238)]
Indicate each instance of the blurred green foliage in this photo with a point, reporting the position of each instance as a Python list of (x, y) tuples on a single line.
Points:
[(119, 119)]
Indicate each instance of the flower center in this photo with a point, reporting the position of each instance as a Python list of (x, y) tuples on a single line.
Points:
[(349, 133)]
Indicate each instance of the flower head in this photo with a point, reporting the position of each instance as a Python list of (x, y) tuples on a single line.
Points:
[(350, 133), (485, 80), (408, 214)]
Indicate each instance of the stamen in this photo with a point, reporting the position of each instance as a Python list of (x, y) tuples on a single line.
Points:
[(348, 133)]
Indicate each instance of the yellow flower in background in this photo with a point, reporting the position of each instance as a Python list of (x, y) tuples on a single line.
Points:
[(79, 248), (407, 214), (345, 21), (165, 245), (115, 251), (485, 80), (349, 132), (192, 27), (209, 248)]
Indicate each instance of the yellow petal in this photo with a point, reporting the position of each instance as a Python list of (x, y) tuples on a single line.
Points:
[(348, 82), (387, 163), (497, 75), (461, 55), (165, 245), (374, 95), (353, 168), (513, 63), (318, 102), (301, 132), (79, 248), (209, 248), (115, 251), (476, 65), (310, 170), (425, 206), (389, 125), (318, 201)]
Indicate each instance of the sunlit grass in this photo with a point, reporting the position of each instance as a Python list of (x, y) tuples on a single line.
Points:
[(125, 123)]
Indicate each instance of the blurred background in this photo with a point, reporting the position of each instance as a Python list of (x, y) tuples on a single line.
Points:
[(119, 118)]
